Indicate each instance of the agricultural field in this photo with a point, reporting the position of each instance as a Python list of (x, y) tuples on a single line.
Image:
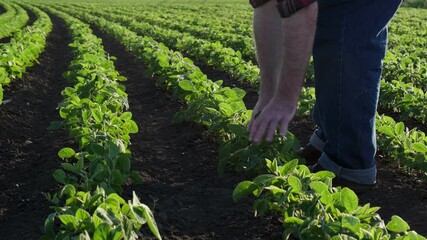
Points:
[(127, 120)]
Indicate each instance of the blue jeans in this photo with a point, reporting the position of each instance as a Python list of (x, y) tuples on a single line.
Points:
[(349, 48)]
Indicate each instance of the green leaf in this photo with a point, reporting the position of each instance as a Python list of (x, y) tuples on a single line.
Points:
[(349, 199), (102, 214), (60, 176), (288, 167), (294, 220), (243, 189), (117, 197), (118, 178), (319, 187), (397, 225), (295, 183), (226, 109), (240, 93), (327, 198), (350, 222), (412, 235), (66, 153), (68, 190), (323, 175), (261, 207), (113, 150), (124, 164), (186, 85), (68, 220), (97, 115), (138, 213), (150, 220), (81, 214), (69, 167), (80, 165), (97, 149), (126, 116), (276, 191), (419, 147), (116, 234), (131, 126), (386, 130), (102, 232), (399, 128), (48, 225), (163, 62), (113, 204), (264, 179), (237, 129)]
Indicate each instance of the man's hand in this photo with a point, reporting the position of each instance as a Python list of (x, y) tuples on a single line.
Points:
[(278, 113), (259, 106)]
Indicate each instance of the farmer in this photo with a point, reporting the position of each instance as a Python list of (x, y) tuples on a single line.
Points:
[(349, 39)]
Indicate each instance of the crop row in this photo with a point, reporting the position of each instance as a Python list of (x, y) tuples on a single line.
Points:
[(12, 20), (404, 98), (413, 153), (405, 62), (234, 20), (23, 49), (213, 54), (310, 206), (407, 59), (213, 33), (93, 111)]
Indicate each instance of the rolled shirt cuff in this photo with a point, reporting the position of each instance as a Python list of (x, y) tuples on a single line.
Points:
[(286, 7)]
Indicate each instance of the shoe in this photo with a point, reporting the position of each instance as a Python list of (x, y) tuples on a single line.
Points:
[(310, 154), (358, 188)]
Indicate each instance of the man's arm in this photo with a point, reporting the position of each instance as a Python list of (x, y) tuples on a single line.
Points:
[(298, 36), (268, 39)]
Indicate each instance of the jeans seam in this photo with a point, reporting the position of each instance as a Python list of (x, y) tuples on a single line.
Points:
[(340, 81)]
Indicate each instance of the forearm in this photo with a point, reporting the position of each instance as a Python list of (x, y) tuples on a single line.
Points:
[(297, 45), (294, 51), (268, 39)]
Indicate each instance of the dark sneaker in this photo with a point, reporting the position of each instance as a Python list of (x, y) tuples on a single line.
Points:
[(358, 188), (310, 154)]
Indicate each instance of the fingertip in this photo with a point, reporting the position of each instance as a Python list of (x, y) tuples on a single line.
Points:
[(283, 129)]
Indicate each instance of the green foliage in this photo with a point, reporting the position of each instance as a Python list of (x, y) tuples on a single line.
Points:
[(97, 215), (310, 206), (25, 46), (408, 147), (312, 209), (415, 3), (12, 20), (94, 111)]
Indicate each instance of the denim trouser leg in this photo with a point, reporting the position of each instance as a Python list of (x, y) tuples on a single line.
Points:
[(350, 45)]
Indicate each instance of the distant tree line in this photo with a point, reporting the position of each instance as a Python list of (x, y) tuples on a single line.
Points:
[(415, 3)]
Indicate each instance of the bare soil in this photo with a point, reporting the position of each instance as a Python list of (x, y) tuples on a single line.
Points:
[(27, 149)]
